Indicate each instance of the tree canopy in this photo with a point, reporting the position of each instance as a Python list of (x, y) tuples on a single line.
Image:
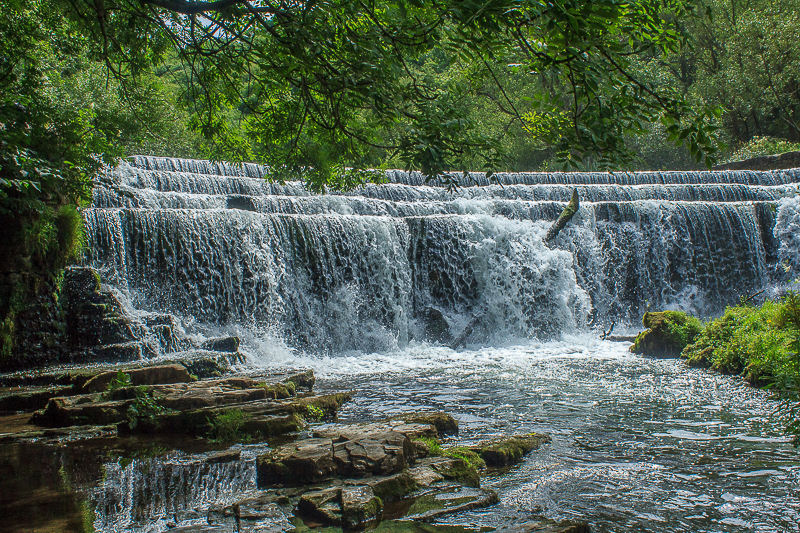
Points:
[(320, 86)]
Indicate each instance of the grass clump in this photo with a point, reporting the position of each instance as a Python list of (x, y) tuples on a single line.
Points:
[(229, 426), (762, 345), (314, 413)]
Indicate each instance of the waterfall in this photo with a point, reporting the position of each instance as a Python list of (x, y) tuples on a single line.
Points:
[(144, 493), (362, 270)]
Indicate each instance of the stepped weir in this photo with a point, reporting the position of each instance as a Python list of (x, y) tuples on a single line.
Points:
[(367, 269)]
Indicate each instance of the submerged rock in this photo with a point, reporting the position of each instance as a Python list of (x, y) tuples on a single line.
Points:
[(668, 333)]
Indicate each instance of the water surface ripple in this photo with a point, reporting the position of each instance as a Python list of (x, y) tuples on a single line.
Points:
[(639, 444)]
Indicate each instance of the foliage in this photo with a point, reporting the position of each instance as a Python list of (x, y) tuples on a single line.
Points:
[(761, 343), (120, 381), (145, 406), (758, 146), (319, 87), (745, 61), (62, 116), (228, 426), (314, 413)]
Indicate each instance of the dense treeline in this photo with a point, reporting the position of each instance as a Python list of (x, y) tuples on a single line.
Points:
[(321, 88)]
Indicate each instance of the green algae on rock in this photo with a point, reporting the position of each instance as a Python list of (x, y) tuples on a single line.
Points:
[(507, 451), (668, 333)]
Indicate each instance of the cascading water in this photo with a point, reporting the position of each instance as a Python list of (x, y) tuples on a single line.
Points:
[(155, 491), (360, 285), (361, 271)]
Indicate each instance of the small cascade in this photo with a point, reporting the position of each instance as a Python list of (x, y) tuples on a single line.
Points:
[(366, 270), (149, 492)]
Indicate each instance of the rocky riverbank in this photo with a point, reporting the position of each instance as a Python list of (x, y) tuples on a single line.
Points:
[(310, 471)]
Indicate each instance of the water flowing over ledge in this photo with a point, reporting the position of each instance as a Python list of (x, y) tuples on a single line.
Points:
[(366, 270)]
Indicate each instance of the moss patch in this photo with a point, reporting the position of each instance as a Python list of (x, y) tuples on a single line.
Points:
[(510, 450), (668, 333)]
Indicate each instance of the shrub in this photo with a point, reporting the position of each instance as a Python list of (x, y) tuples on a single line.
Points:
[(762, 345), (758, 146)]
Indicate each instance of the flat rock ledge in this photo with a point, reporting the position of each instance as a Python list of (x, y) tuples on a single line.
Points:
[(401, 473)]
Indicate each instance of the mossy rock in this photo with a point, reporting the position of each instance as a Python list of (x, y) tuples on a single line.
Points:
[(329, 404), (510, 450), (698, 356), (667, 334), (279, 391), (459, 470)]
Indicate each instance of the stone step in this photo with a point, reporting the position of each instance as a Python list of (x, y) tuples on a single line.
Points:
[(163, 400), (201, 363)]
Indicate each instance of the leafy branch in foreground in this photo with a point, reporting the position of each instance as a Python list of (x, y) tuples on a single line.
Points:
[(320, 87)]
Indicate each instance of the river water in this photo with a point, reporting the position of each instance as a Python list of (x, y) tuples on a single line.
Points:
[(639, 444)]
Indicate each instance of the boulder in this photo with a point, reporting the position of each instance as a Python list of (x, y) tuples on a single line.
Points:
[(299, 463), (360, 507), (222, 344), (443, 422), (455, 469), (667, 334), (395, 487), (317, 459), (302, 380), (322, 505), (384, 453)]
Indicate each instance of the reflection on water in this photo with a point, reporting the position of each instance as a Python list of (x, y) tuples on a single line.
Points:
[(638, 445)]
